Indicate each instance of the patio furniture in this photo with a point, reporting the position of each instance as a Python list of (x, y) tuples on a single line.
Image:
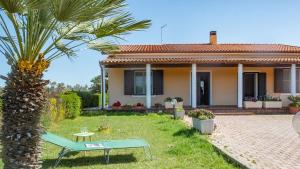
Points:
[(106, 145), (83, 135)]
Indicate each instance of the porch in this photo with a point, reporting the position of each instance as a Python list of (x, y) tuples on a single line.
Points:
[(219, 87)]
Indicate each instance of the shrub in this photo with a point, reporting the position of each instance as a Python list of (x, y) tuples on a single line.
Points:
[(201, 114), (1, 106), (252, 99), (158, 105), (126, 106), (168, 99), (140, 105), (71, 102), (88, 99), (117, 104), (295, 101), (179, 99), (56, 110), (271, 98)]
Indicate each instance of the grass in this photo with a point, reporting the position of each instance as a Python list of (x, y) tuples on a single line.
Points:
[(173, 144)]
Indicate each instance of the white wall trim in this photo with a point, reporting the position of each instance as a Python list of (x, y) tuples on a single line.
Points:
[(240, 86), (148, 86)]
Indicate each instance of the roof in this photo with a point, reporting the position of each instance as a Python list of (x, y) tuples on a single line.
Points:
[(208, 48), (204, 53)]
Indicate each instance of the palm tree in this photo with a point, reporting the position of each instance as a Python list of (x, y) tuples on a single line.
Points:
[(33, 33)]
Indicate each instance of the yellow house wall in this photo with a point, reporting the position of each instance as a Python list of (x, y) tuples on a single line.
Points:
[(177, 83)]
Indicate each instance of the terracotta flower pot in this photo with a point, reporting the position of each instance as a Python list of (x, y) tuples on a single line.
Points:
[(116, 107), (139, 107), (293, 109)]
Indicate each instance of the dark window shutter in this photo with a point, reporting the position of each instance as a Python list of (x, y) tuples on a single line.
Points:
[(262, 84), (158, 82), (278, 80), (128, 82)]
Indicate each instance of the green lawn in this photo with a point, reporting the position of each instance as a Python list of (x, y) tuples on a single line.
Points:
[(173, 144)]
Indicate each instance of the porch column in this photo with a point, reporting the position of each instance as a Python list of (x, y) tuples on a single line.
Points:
[(148, 86), (293, 80), (194, 83), (240, 86), (103, 85)]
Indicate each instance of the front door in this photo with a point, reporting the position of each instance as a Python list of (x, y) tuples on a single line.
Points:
[(203, 88), (249, 85)]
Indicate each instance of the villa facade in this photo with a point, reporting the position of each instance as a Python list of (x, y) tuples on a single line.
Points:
[(210, 74)]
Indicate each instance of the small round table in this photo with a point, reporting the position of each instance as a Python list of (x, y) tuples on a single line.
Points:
[(83, 135)]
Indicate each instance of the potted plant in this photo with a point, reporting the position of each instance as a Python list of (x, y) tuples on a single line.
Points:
[(252, 102), (294, 106), (116, 105), (168, 103), (179, 113), (127, 107), (179, 103), (203, 120), (272, 102), (139, 106)]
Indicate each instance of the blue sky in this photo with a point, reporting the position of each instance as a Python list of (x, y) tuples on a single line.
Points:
[(189, 21)]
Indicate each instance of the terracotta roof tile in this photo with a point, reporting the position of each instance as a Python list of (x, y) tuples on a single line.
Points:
[(208, 48), (205, 53)]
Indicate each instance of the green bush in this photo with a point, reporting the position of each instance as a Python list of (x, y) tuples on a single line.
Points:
[(56, 110), (88, 99), (295, 101), (1, 106), (72, 103), (201, 114)]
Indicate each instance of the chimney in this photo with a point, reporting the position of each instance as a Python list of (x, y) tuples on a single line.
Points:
[(213, 37)]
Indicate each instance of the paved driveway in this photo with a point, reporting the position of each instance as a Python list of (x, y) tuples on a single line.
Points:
[(259, 141)]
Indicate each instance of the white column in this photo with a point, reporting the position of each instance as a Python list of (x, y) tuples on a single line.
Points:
[(194, 88), (103, 85), (240, 86), (148, 86), (293, 80)]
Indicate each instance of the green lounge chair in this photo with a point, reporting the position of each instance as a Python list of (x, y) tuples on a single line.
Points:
[(107, 145)]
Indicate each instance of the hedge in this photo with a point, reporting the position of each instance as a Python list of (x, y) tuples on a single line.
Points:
[(72, 103), (1, 106), (88, 99)]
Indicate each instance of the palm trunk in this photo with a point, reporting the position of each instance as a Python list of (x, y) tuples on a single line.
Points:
[(24, 100)]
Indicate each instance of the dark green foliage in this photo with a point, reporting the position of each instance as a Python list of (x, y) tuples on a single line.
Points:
[(201, 114), (295, 101), (88, 99), (1, 102), (72, 103)]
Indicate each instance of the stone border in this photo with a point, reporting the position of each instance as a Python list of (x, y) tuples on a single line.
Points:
[(229, 157)]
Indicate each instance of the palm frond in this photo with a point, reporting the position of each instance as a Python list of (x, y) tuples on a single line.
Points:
[(13, 6), (60, 46), (84, 10), (103, 46), (119, 25)]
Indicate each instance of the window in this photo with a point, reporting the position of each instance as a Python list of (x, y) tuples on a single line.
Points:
[(282, 80), (139, 82), (135, 82)]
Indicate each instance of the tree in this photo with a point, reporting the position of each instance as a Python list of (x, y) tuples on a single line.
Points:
[(96, 84), (33, 33)]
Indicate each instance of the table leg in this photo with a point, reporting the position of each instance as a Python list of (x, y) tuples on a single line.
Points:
[(77, 138), (90, 138)]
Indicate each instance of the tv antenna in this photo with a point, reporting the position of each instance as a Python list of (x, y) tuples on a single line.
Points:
[(161, 33)]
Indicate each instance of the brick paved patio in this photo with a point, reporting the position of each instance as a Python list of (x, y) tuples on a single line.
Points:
[(259, 141)]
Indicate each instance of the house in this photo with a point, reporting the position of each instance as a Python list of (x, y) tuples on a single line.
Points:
[(211, 74)]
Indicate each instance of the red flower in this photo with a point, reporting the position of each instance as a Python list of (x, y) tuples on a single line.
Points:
[(117, 104)]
